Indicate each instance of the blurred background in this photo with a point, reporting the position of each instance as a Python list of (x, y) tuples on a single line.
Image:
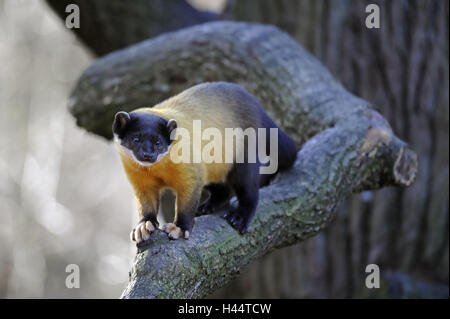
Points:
[(64, 198)]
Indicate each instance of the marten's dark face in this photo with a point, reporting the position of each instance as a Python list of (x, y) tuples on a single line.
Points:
[(144, 137)]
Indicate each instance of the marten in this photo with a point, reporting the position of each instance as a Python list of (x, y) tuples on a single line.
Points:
[(146, 142)]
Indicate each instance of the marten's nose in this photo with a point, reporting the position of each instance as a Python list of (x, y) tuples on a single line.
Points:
[(148, 157)]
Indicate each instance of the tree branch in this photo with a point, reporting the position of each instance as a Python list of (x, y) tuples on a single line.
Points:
[(346, 145)]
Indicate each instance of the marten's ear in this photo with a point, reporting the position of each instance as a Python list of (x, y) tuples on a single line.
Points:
[(120, 122), (171, 126)]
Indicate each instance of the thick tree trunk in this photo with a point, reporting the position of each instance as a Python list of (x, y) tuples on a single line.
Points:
[(108, 25), (402, 68), (347, 146)]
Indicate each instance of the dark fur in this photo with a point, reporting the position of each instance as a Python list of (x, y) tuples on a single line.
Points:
[(147, 135)]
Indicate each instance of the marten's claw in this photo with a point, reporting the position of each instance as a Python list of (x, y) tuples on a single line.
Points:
[(174, 231), (142, 232)]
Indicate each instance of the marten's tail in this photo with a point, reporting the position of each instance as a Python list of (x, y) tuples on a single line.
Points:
[(287, 149)]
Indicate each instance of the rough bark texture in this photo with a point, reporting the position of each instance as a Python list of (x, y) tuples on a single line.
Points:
[(347, 146), (108, 25), (402, 68)]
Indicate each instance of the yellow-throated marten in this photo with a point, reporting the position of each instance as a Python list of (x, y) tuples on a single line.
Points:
[(144, 141)]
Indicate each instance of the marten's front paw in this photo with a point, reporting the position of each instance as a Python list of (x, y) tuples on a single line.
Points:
[(237, 219), (174, 231), (142, 232)]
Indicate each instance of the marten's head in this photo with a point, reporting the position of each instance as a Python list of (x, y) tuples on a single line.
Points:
[(144, 137)]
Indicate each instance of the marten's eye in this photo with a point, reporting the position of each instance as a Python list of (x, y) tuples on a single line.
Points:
[(136, 139), (157, 142)]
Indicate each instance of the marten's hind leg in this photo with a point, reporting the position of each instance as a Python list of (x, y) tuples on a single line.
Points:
[(219, 196), (244, 178), (186, 206)]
